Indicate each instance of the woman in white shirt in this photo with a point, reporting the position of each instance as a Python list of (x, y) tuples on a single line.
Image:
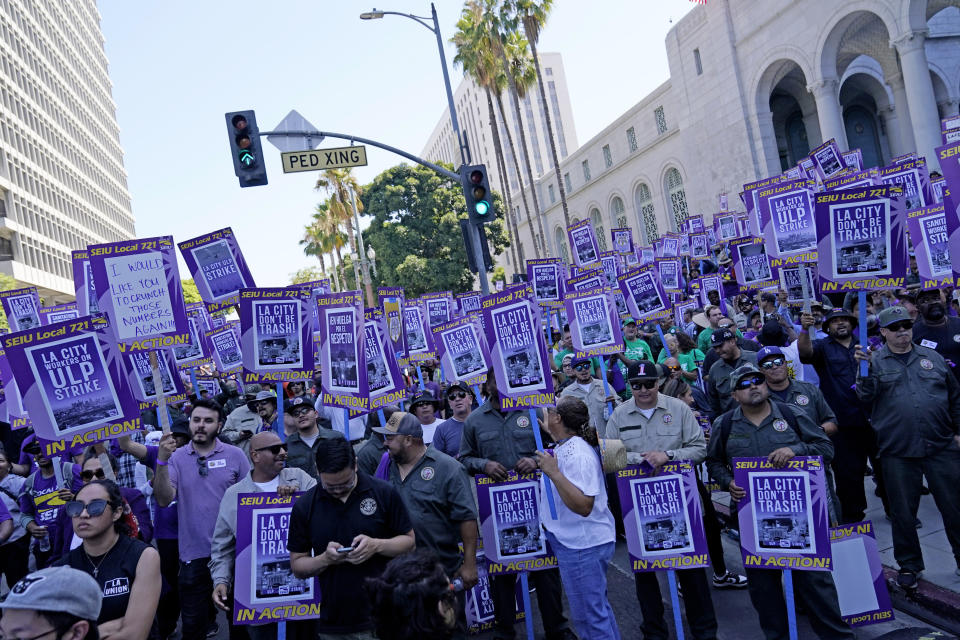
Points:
[(583, 535)]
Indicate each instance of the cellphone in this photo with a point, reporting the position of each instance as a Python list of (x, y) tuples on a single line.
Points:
[(344, 549)]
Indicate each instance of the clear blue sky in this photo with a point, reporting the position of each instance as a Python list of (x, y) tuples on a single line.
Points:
[(177, 66)]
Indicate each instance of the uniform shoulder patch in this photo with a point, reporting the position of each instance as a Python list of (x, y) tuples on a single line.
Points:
[(368, 506)]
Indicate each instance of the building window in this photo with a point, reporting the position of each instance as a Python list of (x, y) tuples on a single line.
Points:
[(696, 62), (561, 239), (661, 120), (617, 212), (607, 156), (632, 139), (648, 217), (586, 170), (597, 221), (567, 182), (553, 197), (557, 120), (549, 71), (6, 249), (678, 197)]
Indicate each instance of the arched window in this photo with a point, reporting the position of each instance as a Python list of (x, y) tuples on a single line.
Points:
[(678, 197), (648, 218), (597, 223), (561, 239), (617, 212)]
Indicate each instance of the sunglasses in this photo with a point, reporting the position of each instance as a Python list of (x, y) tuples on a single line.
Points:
[(746, 383), (637, 385), (903, 325), (456, 395), (773, 362), (275, 449), (302, 411), (94, 508), (264, 403), (89, 475), (202, 466), (583, 366), (674, 369)]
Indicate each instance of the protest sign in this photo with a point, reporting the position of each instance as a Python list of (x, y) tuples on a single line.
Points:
[(725, 226), (861, 241), (658, 248), (856, 564), (853, 159), (695, 224), (217, 267), (783, 517), (469, 302), (438, 307), (950, 129), (930, 230), (140, 377), (546, 275), (610, 266), (462, 352), (668, 270), (913, 178), (827, 160), (275, 334), (937, 185), (590, 279), (192, 353), (264, 587), (751, 264), (786, 218), (671, 246), (138, 287), (853, 180), (583, 240), (518, 351), (509, 511), (392, 303), (479, 602), (224, 346), (83, 284), (12, 410), (385, 383), (791, 283), (699, 245), (662, 517), (594, 322), (72, 383), (645, 297), (22, 308), (207, 387), (680, 309), (905, 157), (343, 366), (59, 313), (419, 341), (685, 244), (647, 255), (622, 240)]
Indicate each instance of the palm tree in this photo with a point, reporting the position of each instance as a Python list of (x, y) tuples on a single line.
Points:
[(323, 236), (338, 184)]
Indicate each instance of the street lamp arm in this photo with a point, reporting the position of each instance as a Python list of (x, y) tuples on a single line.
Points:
[(421, 19)]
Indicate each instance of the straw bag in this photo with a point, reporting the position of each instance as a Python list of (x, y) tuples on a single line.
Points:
[(613, 455)]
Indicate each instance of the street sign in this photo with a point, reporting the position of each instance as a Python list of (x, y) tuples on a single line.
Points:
[(293, 121), (339, 158)]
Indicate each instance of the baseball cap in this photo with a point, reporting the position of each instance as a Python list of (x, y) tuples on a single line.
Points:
[(766, 352), (460, 385), (401, 423), (58, 589), (180, 427), (720, 336), (294, 403), (743, 371), (642, 369), (627, 321), (424, 397), (579, 360), (893, 314)]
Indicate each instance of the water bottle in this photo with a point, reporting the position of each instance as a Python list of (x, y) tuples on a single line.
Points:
[(43, 544), (457, 585)]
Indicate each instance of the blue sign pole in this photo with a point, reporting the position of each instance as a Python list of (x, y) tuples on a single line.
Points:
[(864, 340), (528, 612), (675, 603), (535, 425), (791, 605), (663, 342)]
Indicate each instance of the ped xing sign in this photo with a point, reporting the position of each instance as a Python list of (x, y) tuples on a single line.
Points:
[(320, 159)]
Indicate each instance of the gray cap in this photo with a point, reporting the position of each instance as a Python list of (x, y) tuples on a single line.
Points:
[(742, 371), (58, 589), (402, 423)]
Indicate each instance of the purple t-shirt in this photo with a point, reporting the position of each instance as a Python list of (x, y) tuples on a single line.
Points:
[(447, 437), (42, 501), (4, 513), (198, 496), (164, 518)]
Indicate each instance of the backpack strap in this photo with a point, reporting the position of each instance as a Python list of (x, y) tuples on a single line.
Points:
[(726, 425)]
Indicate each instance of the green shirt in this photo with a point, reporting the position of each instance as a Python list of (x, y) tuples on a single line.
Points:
[(635, 350), (689, 361)]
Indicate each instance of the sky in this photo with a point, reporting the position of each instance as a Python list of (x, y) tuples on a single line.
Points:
[(178, 65)]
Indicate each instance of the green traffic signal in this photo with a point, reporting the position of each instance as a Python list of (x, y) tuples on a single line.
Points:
[(482, 207)]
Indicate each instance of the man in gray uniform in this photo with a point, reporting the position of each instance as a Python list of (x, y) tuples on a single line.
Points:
[(302, 445), (589, 389), (915, 410), (724, 343), (759, 427)]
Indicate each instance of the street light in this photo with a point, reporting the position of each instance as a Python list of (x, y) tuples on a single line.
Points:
[(372, 256), (371, 15)]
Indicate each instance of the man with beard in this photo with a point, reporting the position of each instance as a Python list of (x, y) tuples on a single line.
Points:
[(915, 410), (302, 444), (855, 441), (935, 329), (759, 426), (590, 390), (724, 342)]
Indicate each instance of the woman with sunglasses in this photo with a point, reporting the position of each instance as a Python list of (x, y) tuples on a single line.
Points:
[(15, 548), (684, 358), (127, 570)]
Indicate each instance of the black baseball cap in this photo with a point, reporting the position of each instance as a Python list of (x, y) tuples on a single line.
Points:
[(643, 370), (720, 336)]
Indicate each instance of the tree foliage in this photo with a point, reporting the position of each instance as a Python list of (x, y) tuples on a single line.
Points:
[(190, 293), (6, 284), (416, 231), (306, 274)]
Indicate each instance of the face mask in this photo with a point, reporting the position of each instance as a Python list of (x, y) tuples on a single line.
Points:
[(934, 311)]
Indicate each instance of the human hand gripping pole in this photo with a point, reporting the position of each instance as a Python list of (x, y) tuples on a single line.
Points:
[(547, 485)]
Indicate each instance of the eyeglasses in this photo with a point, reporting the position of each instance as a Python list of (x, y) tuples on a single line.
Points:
[(903, 325), (456, 395), (94, 508), (88, 474), (264, 403), (752, 381), (202, 466), (773, 362), (339, 488), (674, 369), (583, 366), (637, 385), (275, 449), (57, 630), (302, 411)]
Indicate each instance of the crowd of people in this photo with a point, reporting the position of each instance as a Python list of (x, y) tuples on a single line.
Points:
[(133, 538)]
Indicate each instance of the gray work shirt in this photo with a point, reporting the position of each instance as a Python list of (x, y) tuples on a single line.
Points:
[(301, 456), (915, 405), (671, 427), (749, 440), (594, 398), (489, 435), (438, 496), (368, 457), (808, 399), (719, 386)]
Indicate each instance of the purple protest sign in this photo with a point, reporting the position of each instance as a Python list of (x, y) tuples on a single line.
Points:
[(938, 185), (583, 240), (856, 564), (725, 226), (594, 322), (751, 264), (861, 239), (546, 275), (207, 387), (699, 245), (420, 345), (462, 352), (695, 224), (685, 244), (645, 297), (930, 230), (83, 284), (12, 404), (611, 263), (855, 180), (668, 270), (136, 364), (622, 240), (193, 354), (658, 248), (662, 517), (218, 268), (275, 334), (22, 307), (647, 255), (518, 352), (479, 602), (264, 587), (392, 303), (853, 159), (138, 287), (589, 279), (671, 246), (59, 313), (708, 285), (912, 176), (827, 160), (72, 383), (343, 366), (680, 309), (786, 219), (783, 517), (385, 384), (224, 346), (469, 302), (438, 307), (750, 196), (509, 511), (791, 283)]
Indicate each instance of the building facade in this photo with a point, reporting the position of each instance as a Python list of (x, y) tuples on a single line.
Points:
[(753, 87), (62, 182)]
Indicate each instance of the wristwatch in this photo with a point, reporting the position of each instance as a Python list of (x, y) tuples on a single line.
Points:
[(670, 453)]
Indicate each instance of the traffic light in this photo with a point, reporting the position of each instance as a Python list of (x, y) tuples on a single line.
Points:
[(476, 191), (245, 147)]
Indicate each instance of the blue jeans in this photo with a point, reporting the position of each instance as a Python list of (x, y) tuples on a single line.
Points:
[(584, 576)]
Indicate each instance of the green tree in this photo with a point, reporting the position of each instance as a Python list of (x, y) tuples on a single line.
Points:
[(305, 274), (322, 236), (416, 231), (190, 293), (6, 284)]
